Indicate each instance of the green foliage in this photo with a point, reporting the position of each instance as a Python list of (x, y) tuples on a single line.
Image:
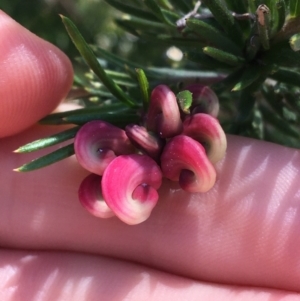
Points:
[(246, 50), (253, 45)]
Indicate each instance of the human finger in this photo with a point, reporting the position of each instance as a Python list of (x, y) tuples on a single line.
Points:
[(244, 231), (42, 276), (35, 76)]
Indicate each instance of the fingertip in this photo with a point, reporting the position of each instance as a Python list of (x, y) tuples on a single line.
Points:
[(35, 76)]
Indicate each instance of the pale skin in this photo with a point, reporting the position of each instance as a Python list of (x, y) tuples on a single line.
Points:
[(240, 241)]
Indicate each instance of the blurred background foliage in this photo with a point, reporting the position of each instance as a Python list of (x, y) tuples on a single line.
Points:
[(95, 20), (93, 17)]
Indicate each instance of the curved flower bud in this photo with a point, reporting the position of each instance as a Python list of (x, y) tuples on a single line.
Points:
[(185, 160), (205, 100), (129, 187), (208, 131), (149, 143), (90, 197), (163, 114), (97, 143)]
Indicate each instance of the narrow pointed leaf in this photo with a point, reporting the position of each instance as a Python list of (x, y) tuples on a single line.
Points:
[(93, 63), (224, 17), (213, 35), (279, 122), (116, 118), (250, 75), (237, 6), (48, 141), (151, 4), (116, 60), (144, 87), (127, 27), (165, 4), (57, 118), (186, 43), (132, 10), (223, 56), (143, 24), (294, 8), (229, 82), (60, 154), (205, 62), (281, 12), (287, 76), (183, 5)]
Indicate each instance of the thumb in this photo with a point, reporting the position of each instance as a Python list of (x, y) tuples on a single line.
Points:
[(35, 76)]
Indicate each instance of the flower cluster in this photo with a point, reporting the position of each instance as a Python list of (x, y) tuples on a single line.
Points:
[(127, 166)]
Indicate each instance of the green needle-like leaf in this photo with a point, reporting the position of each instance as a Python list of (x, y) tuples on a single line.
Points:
[(158, 12), (250, 75), (142, 24), (294, 8), (57, 118), (93, 63), (205, 62), (165, 4), (287, 76), (117, 118), (224, 17), (144, 87), (223, 56), (229, 82), (279, 122), (131, 10), (51, 158), (281, 14), (183, 5), (213, 35), (48, 141), (238, 6)]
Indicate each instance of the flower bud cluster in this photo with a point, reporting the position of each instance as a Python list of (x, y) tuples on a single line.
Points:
[(127, 166)]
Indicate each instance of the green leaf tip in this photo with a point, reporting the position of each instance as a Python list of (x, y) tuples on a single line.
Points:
[(57, 155), (223, 56), (185, 100), (92, 61), (48, 141), (295, 42), (144, 86)]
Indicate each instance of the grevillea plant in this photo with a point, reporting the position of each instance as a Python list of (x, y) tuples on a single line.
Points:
[(141, 124), (128, 165)]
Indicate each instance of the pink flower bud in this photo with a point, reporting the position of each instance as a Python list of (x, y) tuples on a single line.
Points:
[(90, 197), (149, 143), (208, 131), (129, 187), (184, 160), (205, 100), (163, 114), (97, 143)]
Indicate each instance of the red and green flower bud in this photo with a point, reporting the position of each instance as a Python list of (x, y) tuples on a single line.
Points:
[(163, 115), (148, 143), (208, 131), (184, 160), (91, 198), (129, 187), (97, 143), (204, 100)]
